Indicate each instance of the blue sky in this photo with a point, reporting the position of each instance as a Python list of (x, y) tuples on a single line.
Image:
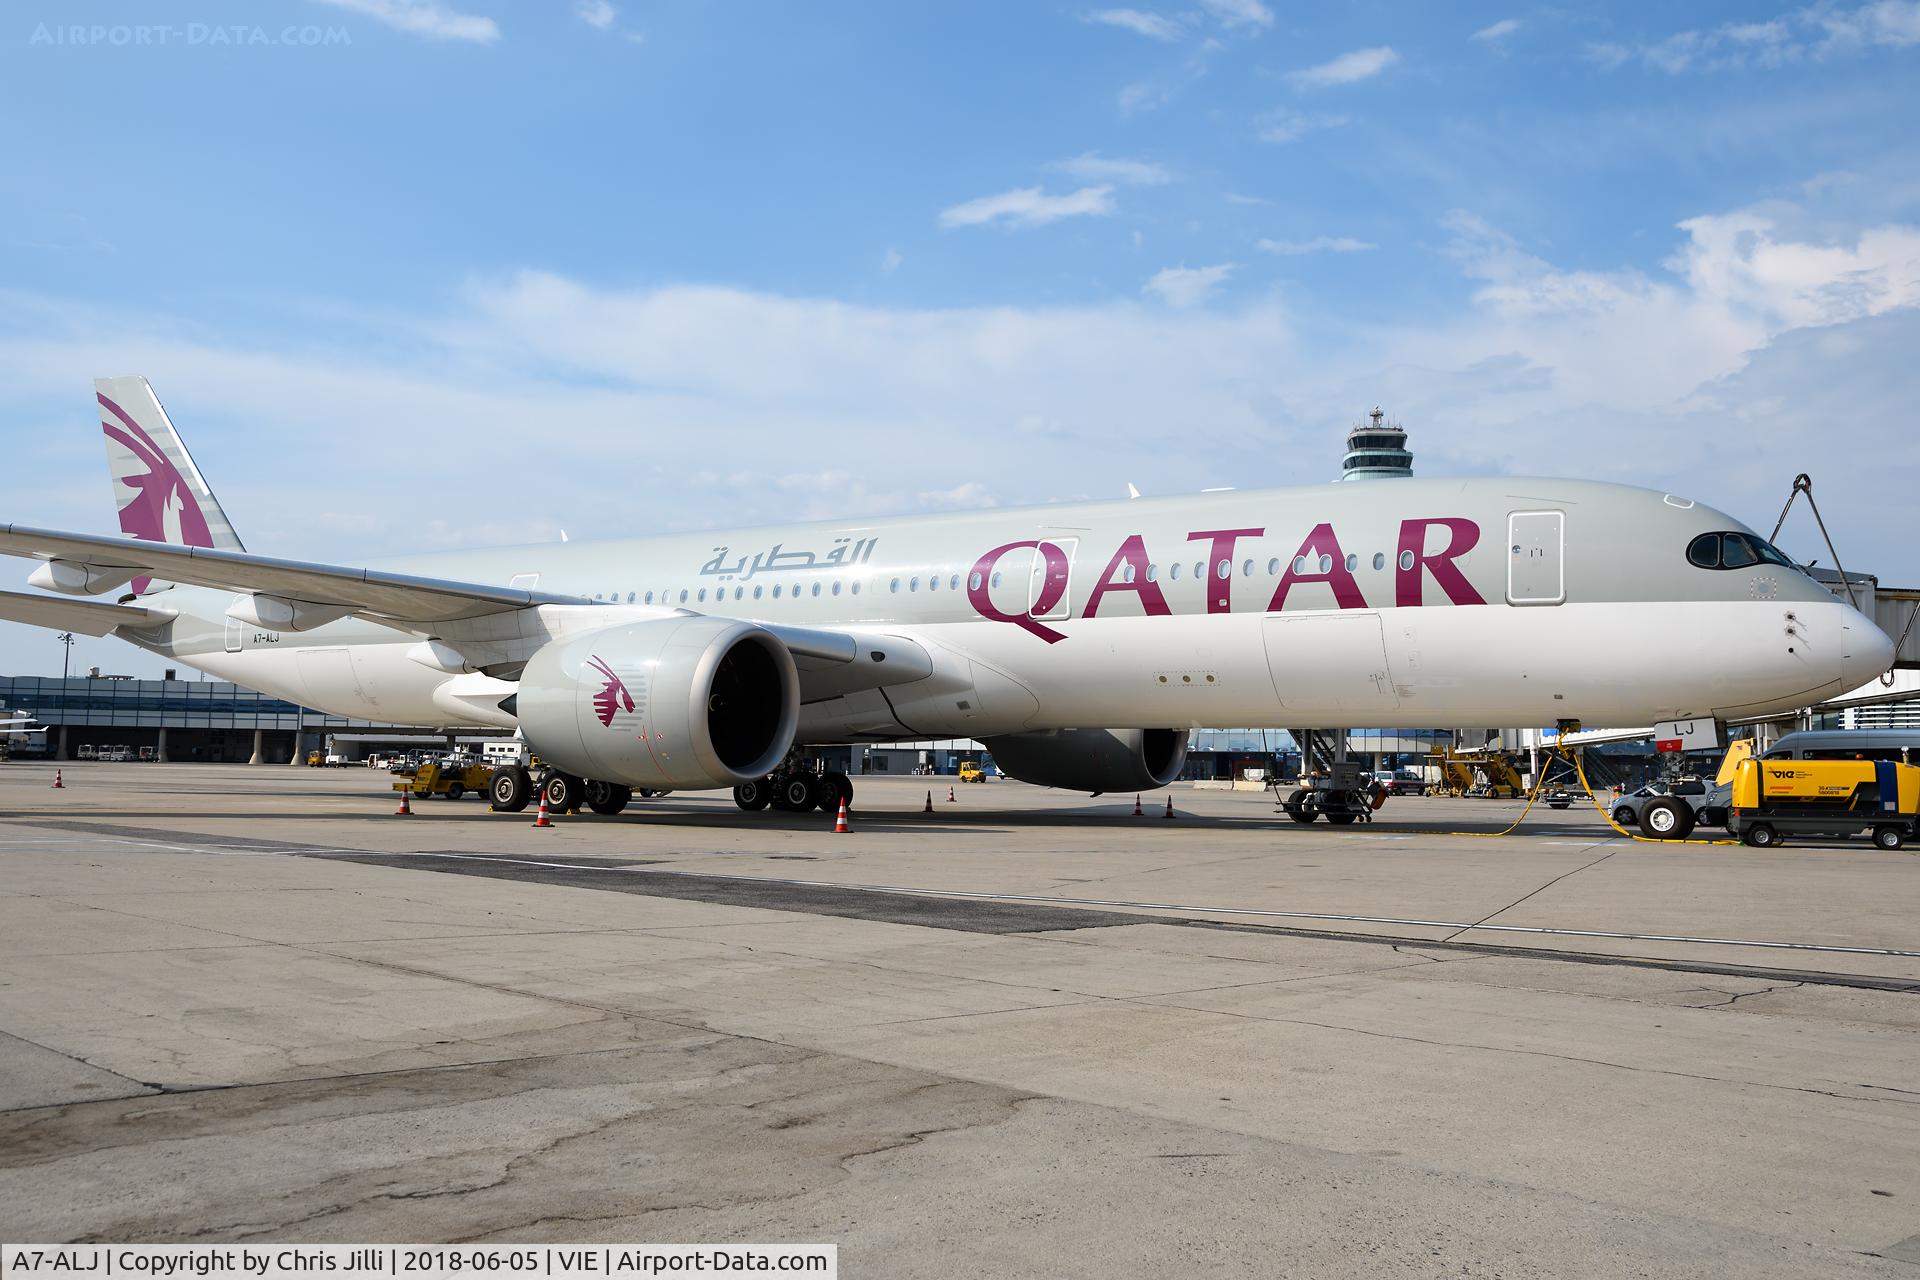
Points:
[(658, 266)]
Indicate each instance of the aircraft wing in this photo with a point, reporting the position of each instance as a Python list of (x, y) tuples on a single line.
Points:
[(88, 617), (396, 597), (476, 620)]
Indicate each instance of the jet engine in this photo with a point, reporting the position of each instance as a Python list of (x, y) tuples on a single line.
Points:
[(1093, 760), (671, 703)]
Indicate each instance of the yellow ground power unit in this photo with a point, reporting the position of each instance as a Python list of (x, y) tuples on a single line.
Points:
[(1772, 798)]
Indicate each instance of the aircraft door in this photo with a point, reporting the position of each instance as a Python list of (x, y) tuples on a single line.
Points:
[(1536, 572), (1050, 579), (1326, 663), (234, 633)]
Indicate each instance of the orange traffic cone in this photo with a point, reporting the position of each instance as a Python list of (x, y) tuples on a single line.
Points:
[(929, 808), (1138, 812), (949, 794), (840, 827), (1169, 812), (543, 820), (406, 805), (57, 784)]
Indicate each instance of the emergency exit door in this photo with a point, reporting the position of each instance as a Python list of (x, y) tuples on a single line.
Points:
[(1536, 572)]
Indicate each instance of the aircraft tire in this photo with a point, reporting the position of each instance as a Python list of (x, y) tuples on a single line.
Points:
[(796, 793), (835, 787), (510, 789), (607, 798), (562, 792), (1667, 819), (753, 796)]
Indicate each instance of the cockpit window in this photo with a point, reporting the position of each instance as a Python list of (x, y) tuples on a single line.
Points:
[(1732, 550)]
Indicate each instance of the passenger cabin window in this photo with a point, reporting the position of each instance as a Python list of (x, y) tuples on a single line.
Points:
[(1731, 550)]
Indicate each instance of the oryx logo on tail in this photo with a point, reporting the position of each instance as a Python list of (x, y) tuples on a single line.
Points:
[(158, 491), (613, 696)]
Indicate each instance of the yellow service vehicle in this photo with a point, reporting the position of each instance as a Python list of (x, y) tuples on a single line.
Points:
[(449, 780), (1824, 797), (970, 771)]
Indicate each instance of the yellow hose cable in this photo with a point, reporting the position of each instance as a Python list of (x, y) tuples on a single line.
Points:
[(1532, 796), (1581, 772)]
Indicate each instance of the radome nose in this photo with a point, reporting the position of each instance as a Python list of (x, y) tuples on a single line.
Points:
[(1871, 653)]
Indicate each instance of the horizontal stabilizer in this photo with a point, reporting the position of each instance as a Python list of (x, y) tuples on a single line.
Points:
[(88, 617)]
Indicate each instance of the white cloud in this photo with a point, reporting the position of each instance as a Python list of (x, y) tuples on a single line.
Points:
[(1319, 244), (890, 260), (1497, 30), (1892, 23), (1028, 207), (1239, 13), (424, 18), (1348, 68), (596, 13), (1188, 286), (1150, 25), (1145, 95), (1819, 31), (1283, 125), (1094, 167)]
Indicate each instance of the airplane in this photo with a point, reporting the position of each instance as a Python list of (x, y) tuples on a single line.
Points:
[(1080, 642)]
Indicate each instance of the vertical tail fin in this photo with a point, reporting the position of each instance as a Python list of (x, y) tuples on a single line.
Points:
[(159, 492)]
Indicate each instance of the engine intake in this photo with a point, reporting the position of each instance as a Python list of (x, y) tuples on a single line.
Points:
[(1094, 760), (672, 703)]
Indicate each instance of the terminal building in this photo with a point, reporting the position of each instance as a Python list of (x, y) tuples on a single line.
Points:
[(212, 721)]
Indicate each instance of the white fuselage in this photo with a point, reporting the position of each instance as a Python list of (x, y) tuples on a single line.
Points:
[(1405, 603)]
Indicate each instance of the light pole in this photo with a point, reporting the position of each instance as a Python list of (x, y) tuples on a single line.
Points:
[(66, 638)]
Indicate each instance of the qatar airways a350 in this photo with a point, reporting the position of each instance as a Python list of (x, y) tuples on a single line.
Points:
[(1080, 641)]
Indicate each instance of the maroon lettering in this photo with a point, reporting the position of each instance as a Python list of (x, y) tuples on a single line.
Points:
[(1408, 585), (1321, 542), (1052, 590), (1220, 544), (1132, 554)]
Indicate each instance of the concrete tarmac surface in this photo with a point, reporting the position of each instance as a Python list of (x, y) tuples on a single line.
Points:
[(1028, 1034)]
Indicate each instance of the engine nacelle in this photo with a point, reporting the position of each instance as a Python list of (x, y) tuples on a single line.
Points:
[(1093, 760), (679, 703)]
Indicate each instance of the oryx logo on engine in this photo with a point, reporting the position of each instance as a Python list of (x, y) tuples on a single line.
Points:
[(613, 695)]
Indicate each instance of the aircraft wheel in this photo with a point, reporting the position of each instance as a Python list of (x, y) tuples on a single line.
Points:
[(1889, 837), (753, 796), (606, 797), (562, 791), (1667, 819), (797, 793), (835, 787), (1761, 836), (510, 789)]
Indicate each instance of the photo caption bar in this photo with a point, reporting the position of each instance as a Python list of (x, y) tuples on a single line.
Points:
[(416, 1261)]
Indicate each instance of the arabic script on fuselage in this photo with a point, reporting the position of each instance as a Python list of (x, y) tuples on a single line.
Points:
[(777, 559)]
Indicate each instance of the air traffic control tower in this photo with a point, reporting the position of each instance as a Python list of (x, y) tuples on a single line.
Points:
[(1377, 450)]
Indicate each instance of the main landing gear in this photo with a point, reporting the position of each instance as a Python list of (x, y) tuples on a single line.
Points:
[(796, 791), (513, 787)]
